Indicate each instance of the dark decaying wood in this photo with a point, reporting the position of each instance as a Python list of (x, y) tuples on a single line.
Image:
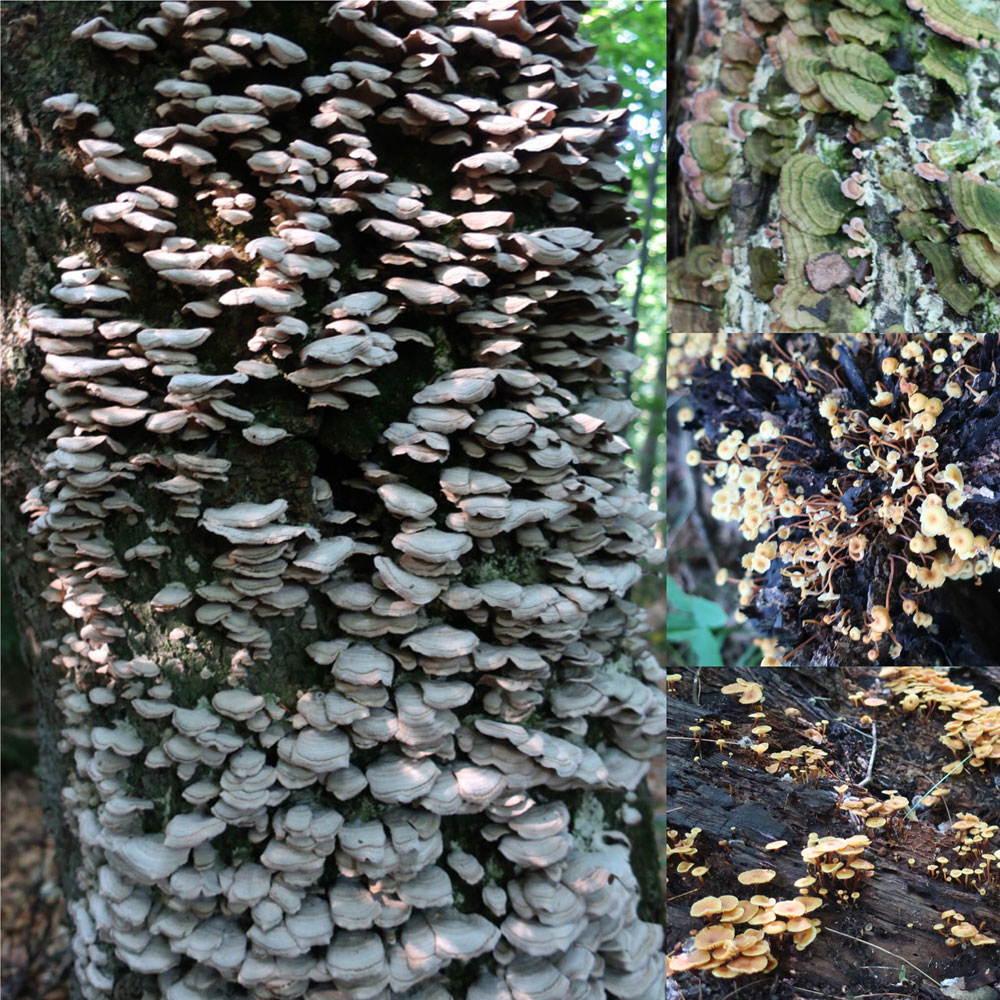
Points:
[(746, 808)]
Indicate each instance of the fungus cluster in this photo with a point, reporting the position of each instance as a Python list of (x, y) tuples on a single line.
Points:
[(876, 199), (841, 458), (727, 955), (959, 931), (686, 850), (873, 814), (837, 864), (972, 864), (974, 727), (284, 848), (803, 762), (749, 692)]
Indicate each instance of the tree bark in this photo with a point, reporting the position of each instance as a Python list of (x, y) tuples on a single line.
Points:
[(297, 701)]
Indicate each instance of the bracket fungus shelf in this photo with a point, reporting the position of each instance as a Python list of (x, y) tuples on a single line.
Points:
[(354, 701), (894, 103)]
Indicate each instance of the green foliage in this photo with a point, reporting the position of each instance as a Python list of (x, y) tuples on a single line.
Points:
[(631, 42), (698, 622)]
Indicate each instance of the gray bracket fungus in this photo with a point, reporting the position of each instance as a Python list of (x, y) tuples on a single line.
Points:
[(861, 71), (300, 851)]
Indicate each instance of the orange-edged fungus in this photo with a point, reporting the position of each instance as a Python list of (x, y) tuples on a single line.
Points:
[(749, 692), (689, 960), (724, 972), (790, 908), (756, 876), (805, 938), (711, 937), (964, 930), (706, 907), (748, 964)]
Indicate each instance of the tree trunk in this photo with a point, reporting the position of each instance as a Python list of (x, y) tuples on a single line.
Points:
[(863, 943), (340, 691)]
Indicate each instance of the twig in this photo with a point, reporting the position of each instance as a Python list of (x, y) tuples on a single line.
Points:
[(923, 795), (885, 951), (871, 759)]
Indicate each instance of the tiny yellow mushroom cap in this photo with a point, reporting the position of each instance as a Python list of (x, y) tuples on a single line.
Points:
[(964, 930), (963, 542), (881, 622), (805, 938), (953, 475), (756, 876), (747, 964), (693, 457)]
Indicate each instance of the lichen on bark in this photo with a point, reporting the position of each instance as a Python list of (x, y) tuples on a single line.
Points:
[(806, 89)]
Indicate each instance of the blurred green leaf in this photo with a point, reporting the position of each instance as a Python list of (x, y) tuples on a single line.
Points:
[(704, 644), (706, 613)]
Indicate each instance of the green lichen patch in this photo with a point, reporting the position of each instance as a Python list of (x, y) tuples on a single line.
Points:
[(802, 68), (977, 205), (959, 148), (980, 258), (946, 61), (852, 94), (861, 62), (765, 152), (877, 31), (810, 195), (914, 226), (959, 296), (711, 146), (954, 19), (915, 193), (872, 8)]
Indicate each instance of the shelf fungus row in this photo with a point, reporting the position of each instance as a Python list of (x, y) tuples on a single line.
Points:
[(866, 94), (459, 589)]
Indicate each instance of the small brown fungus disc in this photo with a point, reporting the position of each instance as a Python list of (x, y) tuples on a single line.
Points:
[(828, 270)]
